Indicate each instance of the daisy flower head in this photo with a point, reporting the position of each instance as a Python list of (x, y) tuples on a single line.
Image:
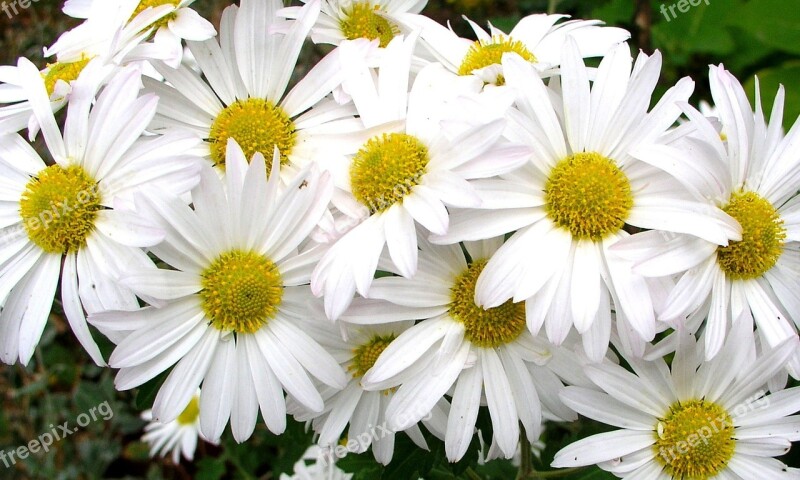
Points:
[(461, 348), (315, 466), (167, 22), (694, 419), (240, 92), (403, 169), (176, 438), (570, 202), (753, 175), (69, 217), (342, 20), (359, 411), (224, 316), (539, 39), (96, 44)]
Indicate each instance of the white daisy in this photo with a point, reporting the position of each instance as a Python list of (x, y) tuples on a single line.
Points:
[(480, 353), (341, 20), (698, 420), (176, 437), (242, 91), (225, 315), (73, 211), (754, 176), (315, 466), (166, 21), (404, 168), (569, 203), (538, 38), (364, 411)]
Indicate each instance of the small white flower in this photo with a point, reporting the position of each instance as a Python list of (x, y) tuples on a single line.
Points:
[(178, 437), (539, 39), (404, 168), (478, 353), (694, 419), (361, 412), (753, 175), (224, 317), (380, 20), (569, 203), (74, 210)]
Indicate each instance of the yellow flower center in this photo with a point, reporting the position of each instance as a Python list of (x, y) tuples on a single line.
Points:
[(59, 208), (257, 126), (386, 169), (695, 440), (763, 235), (588, 195), (363, 21), (190, 413), (484, 328), (145, 4), (66, 71), (241, 291), (365, 356), (484, 53)]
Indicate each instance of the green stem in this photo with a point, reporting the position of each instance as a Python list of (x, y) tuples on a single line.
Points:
[(525, 457), (555, 473), (552, 6)]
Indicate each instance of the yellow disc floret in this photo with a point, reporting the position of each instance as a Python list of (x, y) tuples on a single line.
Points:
[(365, 356), (763, 236), (145, 4), (363, 20), (59, 208), (484, 53), (190, 413), (241, 291), (588, 195), (484, 328), (694, 440), (257, 125), (66, 71), (386, 169)]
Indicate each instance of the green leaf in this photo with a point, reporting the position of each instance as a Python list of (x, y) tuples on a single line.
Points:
[(146, 394), (616, 12), (773, 22), (210, 469)]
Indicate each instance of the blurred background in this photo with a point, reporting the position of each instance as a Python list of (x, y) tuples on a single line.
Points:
[(755, 37)]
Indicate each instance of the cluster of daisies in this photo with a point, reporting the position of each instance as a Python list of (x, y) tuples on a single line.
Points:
[(418, 226)]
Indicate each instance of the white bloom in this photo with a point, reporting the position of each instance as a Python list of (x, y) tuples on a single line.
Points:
[(225, 315), (404, 168), (315, 465), (361, 412), (342, 20), (166, 21), (462, 346), (538, 39), (569, 203), (176, 437), (242, 92), (74, 210), (753, 175), (694, 420)]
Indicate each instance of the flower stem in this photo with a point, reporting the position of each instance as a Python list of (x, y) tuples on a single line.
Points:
[(526, 456)]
